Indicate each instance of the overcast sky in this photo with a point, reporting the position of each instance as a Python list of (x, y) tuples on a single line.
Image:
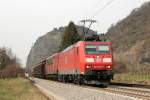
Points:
[(23, 21)]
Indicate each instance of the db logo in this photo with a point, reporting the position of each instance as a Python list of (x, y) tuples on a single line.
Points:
[(98, 59)]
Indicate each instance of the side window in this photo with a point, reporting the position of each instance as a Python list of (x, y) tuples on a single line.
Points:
[(49, 61)]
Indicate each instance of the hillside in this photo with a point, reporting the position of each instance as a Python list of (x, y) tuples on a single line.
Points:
[(48, 44), (131, 41)]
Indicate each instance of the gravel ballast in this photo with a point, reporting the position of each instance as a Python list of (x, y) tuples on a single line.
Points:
[(61, 91)]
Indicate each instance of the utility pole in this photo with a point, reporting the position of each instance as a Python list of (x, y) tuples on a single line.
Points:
[(90, 21)]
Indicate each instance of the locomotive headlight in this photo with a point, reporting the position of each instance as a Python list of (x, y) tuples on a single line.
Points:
[(88, 66), (89, 59), (108, 66), (108, 60)]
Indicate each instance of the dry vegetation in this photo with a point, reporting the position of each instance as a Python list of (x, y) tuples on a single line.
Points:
[(133, 78), (10, 66), (11, 87), (19, 89), (131, 43)]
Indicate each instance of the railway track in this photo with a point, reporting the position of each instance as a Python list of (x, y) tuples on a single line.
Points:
[(130, 85), (134, 92), (137, 93)]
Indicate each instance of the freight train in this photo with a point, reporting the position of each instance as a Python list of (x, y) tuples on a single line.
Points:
[(83, 63)]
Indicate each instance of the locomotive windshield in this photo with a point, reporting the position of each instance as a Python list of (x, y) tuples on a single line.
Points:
[(97, 49)]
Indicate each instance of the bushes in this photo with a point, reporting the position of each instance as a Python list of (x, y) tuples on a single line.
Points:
[(120, 67), (130, 62), (11, 71), (9, 64)]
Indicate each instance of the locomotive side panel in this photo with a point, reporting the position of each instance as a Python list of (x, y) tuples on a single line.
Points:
[(69, 62)]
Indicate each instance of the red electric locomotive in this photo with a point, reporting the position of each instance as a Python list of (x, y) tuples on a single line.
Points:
[(83, 62)]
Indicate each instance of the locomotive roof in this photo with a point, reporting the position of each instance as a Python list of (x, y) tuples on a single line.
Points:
[(51, 56), (85, 42)]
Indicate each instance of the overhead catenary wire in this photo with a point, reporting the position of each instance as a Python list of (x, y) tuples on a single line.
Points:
[(92, 8), (100, 10)]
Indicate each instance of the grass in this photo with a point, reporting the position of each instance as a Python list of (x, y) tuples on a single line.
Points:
[(133, 78), (19, 89)]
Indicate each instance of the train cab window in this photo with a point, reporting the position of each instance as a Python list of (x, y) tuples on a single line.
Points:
[(103, 49), (90, 49), (97, 49)]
